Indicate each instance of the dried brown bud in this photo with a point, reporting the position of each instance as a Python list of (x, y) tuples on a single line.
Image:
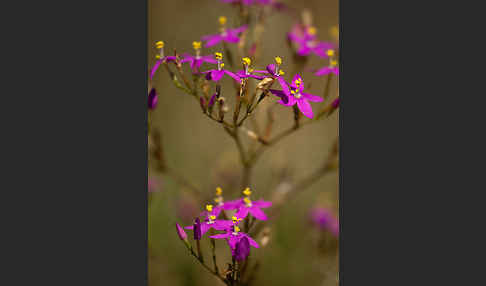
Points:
[(264, 83)]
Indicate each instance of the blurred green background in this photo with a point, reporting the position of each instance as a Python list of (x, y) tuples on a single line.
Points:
[(198, 148)]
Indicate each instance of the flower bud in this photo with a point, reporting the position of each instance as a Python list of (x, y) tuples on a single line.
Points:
[(152, 98), (197, 229), (242, 249), (180, 231)]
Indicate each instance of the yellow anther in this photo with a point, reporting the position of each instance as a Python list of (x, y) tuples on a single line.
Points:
[(159, 44), (237, 229), (292, 91), (246, 61), (219, 191), (312, 31), (212, 217), (218, 200), (196, 45), (209, 208), (157, 56), (330, 53), (333, 63), (278, 60), (247, 192), (298, 82), (234, 219), (250, 70), (218, 56), (281, 72), (222, 65), (247, 201), (222, 20)]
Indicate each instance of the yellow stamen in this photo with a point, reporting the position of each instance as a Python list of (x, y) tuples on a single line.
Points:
[(222, 20), (247, 192), (159, 44), (196, 45), (218, 200), (330, 53), (247, 201), (246, 61), (157, 56), (312, 30), (209, 208), (298, 82), (219, 191), (281, 72), (292, 91), (250, 70), (333, 63), (222, 65), (218, 56), (234, 218), (212, 217), (237, 229), (278, 60)]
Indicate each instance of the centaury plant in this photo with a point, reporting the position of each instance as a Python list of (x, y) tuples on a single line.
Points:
[(240, 221)]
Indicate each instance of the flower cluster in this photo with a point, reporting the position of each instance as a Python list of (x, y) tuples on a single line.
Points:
[(238, 241)]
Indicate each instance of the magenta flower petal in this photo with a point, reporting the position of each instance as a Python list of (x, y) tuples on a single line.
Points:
[(235, 77), (154, 68), (231, 39), (257, 213), (189, 227), (233, 240), (335, 103), (221, 235), (251, 241), (204, 228), (283, 84), (213, 41), (260, 71), (271, 69), (242, 212), (262, 204), (239, 29), (222, 224), (215, 75), (305, 107), (210, 59), (323, 71), (311, 97)]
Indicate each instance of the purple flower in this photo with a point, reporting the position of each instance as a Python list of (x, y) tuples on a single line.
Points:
[(275, 71), (197, 229), (305, 38), (233, 235), (242, 249), (226, 35), (152, 98), (197, 60), (161, 58), (217, 74), (247, 72), (211, 222), (325, 220), (298, 96), (180, 232), (246, 205), (331, 68)]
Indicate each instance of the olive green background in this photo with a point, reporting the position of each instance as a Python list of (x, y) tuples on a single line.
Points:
[(198, 148)]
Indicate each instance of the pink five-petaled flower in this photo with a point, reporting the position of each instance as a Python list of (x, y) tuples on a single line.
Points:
[(160, 58), (247, 72), (197, 60), (307, 42), (299, 97), (217, 74), (226, 35), (331, 68), (211, 222), (275, 71), (233, 235), (246, 205)]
